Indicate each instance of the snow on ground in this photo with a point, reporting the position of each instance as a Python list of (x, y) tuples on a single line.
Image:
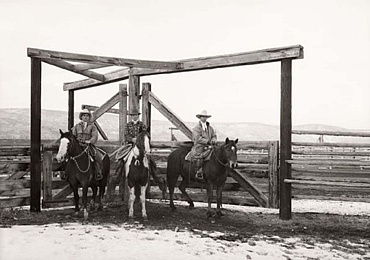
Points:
[(133, 241)]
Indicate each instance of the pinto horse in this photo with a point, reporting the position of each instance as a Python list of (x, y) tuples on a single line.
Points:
[(137, 172), (80, 171), (214, 172)]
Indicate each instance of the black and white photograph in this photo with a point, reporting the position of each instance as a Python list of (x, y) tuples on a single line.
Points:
[(180, 130)]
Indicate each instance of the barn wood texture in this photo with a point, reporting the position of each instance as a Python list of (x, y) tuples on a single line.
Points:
[(83, 64)]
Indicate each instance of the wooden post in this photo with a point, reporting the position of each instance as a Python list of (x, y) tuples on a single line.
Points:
[(47, 166), (273, 158), (71, 111), (122, 111), (35, 166), (134, 93), (285, 211), (146, 107)]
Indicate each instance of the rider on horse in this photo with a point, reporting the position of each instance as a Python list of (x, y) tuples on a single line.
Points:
[(132, 130), (203, 136), (87, 135)]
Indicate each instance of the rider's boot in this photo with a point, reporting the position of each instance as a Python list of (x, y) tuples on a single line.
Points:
[(199, 169)]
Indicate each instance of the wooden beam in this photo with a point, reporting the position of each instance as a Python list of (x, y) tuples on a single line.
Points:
[(332, 133), (89, 66), (133, 93), (205, 63), (69, 66), (48, 54), (146, 107), (285, 209), (329, 183), (164, 110), (35, 165), (94, 108), (105, 107), (71, 109), (100, 130), (247, 185), (122, 112), (110, 77)]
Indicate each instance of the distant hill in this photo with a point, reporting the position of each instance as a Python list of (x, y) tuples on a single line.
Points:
[(15, 124)]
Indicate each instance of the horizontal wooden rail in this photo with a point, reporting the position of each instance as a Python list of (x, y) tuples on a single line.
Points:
[(329, 183), (327, 144), (329, 163), (332, 133)]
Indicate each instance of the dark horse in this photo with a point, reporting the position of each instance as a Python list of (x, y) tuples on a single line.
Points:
[(214, 169), (137, 172), (80, 170)]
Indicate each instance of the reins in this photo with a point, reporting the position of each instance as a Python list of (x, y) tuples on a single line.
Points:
[(74, 158), (224, 164)]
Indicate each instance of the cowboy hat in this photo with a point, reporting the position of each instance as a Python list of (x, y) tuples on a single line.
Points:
[(84, 111), (203, 113), (134, 111)]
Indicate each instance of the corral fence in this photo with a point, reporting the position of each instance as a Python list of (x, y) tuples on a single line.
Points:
[(254, 183), (331, 169)]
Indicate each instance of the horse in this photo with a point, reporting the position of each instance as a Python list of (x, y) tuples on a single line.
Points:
[(137, 172), (80, 171), (215, 171)]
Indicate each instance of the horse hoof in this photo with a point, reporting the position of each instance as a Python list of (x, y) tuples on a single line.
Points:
[(145, 219)]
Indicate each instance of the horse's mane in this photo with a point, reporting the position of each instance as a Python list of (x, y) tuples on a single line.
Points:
[(140, 140)]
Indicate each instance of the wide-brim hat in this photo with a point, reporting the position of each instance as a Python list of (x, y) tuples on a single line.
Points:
[(203, 113), (134, 112), (83, 112)]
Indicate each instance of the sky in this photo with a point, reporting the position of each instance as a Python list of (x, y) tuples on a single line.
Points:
[(331, 85)]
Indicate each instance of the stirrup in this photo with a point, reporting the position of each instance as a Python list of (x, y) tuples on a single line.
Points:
[(98, 176), (199, 175)]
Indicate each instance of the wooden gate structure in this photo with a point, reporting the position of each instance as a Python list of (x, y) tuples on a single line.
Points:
[(133, 70)]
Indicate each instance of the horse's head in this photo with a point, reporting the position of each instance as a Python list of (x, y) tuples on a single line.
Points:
[(67, 141), (143, 140), (230, 149)]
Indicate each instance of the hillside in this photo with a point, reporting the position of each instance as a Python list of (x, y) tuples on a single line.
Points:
[(15, 124)]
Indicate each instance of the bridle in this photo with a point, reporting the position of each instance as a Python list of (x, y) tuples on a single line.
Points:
[(74, 158)]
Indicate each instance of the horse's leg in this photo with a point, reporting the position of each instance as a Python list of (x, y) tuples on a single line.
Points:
[(209, 198), (76, 198), (142, 200), (131, 201), (100, 195), (182, 187), (171, 182), (93, 199), (84, 199), (219, 199)]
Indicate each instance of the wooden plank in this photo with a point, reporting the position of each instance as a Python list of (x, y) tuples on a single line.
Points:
[(62, 194), (328, 162), (9, 185), (14, 202), (221, 61), (285, 209), (273, 172), (94, 108), (35, 166), (329, 183), (47, 166), (174, 119), (48, 54), (146, 107), (332, 133), (354, 145), (69, 66), (110, 77), (133, 93), (334, 153), (100, 130), (71, 109), (122, 112), (249, 186), (105, 107), (89, 66)]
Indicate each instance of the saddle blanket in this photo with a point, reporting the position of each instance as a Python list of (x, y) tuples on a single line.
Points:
[(123, 152), (206, 156)]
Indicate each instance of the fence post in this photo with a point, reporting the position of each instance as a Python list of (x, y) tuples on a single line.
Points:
[(146, 107), (122, 111), (273, 160), (133, 92), (47, 166)]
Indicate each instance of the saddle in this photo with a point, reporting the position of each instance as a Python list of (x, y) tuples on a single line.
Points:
[(205, 155)]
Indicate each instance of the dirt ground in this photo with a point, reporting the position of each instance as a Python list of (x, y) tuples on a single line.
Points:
[(339, 230)]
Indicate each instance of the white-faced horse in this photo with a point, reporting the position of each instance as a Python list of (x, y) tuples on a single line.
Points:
[(137, 172), (80, 170)]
